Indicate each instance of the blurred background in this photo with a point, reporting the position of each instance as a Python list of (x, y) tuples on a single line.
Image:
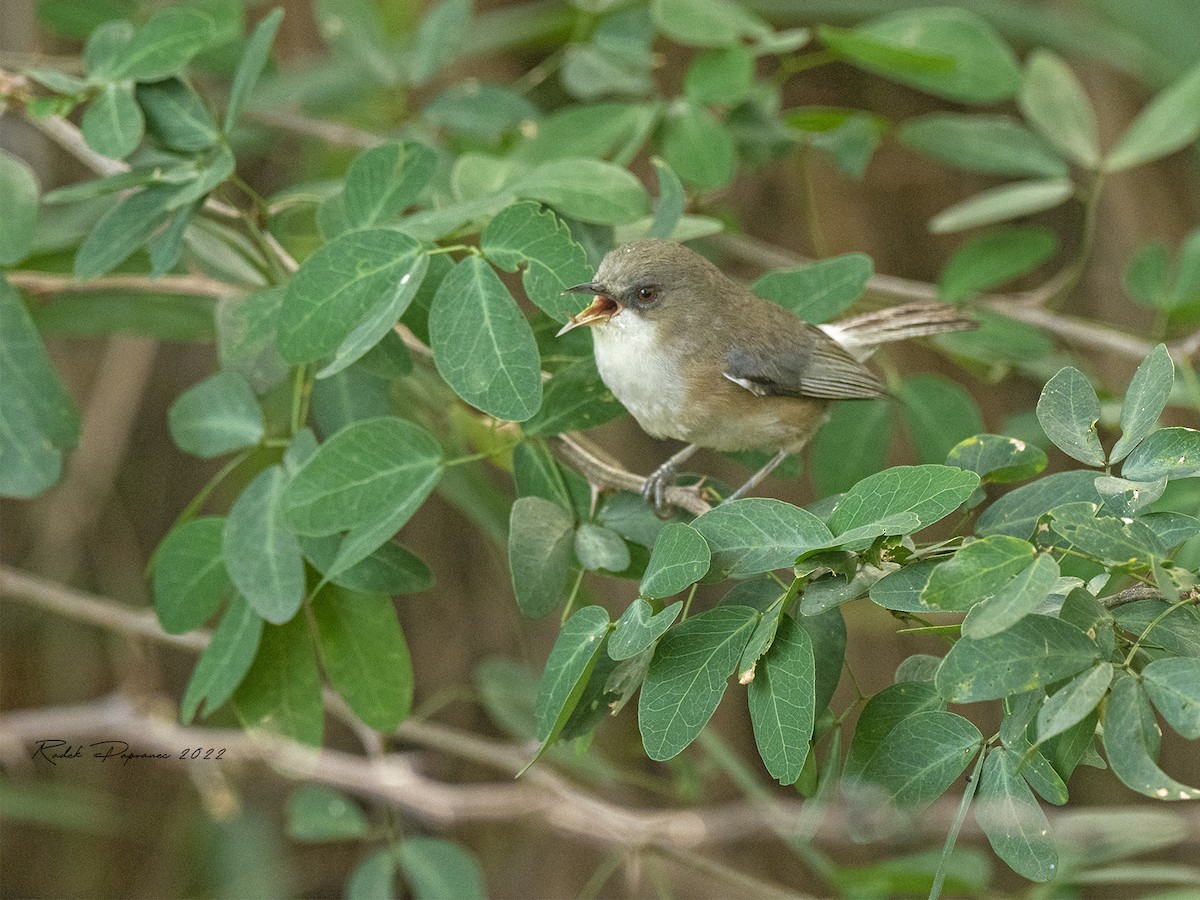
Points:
[(151, 829)]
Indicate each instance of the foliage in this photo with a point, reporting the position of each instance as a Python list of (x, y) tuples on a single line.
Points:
[(1068, 602)]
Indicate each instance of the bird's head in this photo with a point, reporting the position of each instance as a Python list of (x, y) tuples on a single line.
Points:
[(654, 279)]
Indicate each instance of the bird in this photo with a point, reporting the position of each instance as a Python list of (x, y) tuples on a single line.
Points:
[(695, 356)]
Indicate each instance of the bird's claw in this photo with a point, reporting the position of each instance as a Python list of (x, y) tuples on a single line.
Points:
[(654, 489)]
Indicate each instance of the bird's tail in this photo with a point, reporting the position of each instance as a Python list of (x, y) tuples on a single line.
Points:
[(861, 334)]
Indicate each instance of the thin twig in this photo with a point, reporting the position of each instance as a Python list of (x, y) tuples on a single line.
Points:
[(44, 283), (335, 133)]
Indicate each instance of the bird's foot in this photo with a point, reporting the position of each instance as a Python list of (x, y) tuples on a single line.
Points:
[(654, 488)]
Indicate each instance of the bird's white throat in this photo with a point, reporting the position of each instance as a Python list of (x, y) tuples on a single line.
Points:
[(635, 368)]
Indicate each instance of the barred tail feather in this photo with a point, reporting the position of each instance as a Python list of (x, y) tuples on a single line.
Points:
[(899, 323)]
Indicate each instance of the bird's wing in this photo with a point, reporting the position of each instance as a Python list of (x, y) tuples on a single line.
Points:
[(807, 364)]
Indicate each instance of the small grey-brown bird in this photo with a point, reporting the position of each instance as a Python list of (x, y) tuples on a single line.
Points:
[(694, 356)]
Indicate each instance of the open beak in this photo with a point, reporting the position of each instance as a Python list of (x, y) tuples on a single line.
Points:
[(602, 309)]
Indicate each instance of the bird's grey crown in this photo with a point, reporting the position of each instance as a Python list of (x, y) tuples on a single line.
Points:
[(671, 268)]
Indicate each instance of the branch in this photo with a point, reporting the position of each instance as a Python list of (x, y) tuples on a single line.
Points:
[(603, 474), (43, 283), (334, 133)]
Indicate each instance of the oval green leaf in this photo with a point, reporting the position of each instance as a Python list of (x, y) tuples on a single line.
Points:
[(783, 702), (262, 556), (757, 534), (930, 492), (639, 627), (680, 558), (1013, 821), (190, 579), (482, 344), (540, 540), (1068, 411), (688, 677), (224, 662), (567, 669), (1036, 651)]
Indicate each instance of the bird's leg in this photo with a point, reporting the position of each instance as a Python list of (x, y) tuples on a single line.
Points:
[(654, 488), (758, 476)]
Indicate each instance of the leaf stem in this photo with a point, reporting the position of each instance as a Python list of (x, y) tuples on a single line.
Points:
[(1166, 612), (687, 604), (566, 613), (939, 878)]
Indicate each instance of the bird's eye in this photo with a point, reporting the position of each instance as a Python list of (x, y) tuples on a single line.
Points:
[(647, 294)]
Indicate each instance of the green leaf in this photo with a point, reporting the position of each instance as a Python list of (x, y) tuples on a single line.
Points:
[(1009, 201), (883, 712), (319, 813), (39, 419), (59, 82), (1173, 685), (282, 690), (1034, 652), (216, 416), (598, 548), (901, 590), (262, 556), (350, 283), (102, 46), (365, 655), (1145, 401), (706, 23), (639, 627), (1147, 277), (370, 334), (948, 52), (680, 558), (437, 869), (20, 188), (1169, 122), (978, 570), (250, 66), (760, 642), (1053, 101), (851, 445), (1013, 821), (990, 145), (1114, 541), (540, 540), (390, 570), (821, 290), (594, 129), (176, 116), (688, 677), (246, 338), (113, 124), (122, 230), (782, 702), (571, 661), (163, 45), (997, 459), (1014, 600), (224, 662), (482, 344), (373, 473), (1017, 512), (938, 413), (720, 77), (1177, 631), (668, 210), (1167, 453), (1131, 741), (758, 534), (575, 399), (930, 492), (190, 580), (384, 181), (698, 147), (992, 259), (526, 236), (589, 190), (1074, 701), (921, 757), (1068, 411), (439, 39), (374, 878), (485, 112)]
